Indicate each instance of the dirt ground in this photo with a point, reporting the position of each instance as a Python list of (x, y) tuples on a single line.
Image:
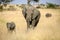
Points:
[(48, 28)]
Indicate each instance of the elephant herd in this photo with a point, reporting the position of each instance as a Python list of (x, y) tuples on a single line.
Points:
[(31, 15)]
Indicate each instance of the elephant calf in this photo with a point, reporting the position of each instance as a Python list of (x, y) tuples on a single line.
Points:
[(11, 26), (32, 16)]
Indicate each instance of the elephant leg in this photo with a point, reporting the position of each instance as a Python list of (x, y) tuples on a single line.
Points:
[(33, 24), (28, 24), (35, 21)]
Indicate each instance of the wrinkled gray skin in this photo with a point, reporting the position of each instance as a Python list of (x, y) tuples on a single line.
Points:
[(32, 16), (11, 26)]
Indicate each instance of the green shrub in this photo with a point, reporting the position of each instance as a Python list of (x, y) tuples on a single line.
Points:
[(11, 8), (50, 5), (1, 8)]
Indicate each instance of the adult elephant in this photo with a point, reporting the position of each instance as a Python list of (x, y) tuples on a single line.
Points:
[(32, 16)]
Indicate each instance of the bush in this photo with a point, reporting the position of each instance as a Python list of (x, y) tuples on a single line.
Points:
[(5, 5), (1, 7), (11, 8), (50, 5), (38, 6), (48, 15)]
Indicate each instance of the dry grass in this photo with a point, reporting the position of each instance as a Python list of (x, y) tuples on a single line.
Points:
[(47, 28)]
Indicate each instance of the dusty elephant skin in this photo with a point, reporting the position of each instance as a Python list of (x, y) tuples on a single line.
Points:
[(32, 16)]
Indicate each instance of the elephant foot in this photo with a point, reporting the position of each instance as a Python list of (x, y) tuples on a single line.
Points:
[(32, 27)]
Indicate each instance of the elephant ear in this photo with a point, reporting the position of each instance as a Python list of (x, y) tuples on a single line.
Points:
[(35, 13), (24, 12)]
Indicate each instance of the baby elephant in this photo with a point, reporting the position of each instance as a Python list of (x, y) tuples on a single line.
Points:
[(11, 26)]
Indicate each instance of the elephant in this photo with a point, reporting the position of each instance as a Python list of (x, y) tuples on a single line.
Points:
[(11, 26), (32, 16)]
